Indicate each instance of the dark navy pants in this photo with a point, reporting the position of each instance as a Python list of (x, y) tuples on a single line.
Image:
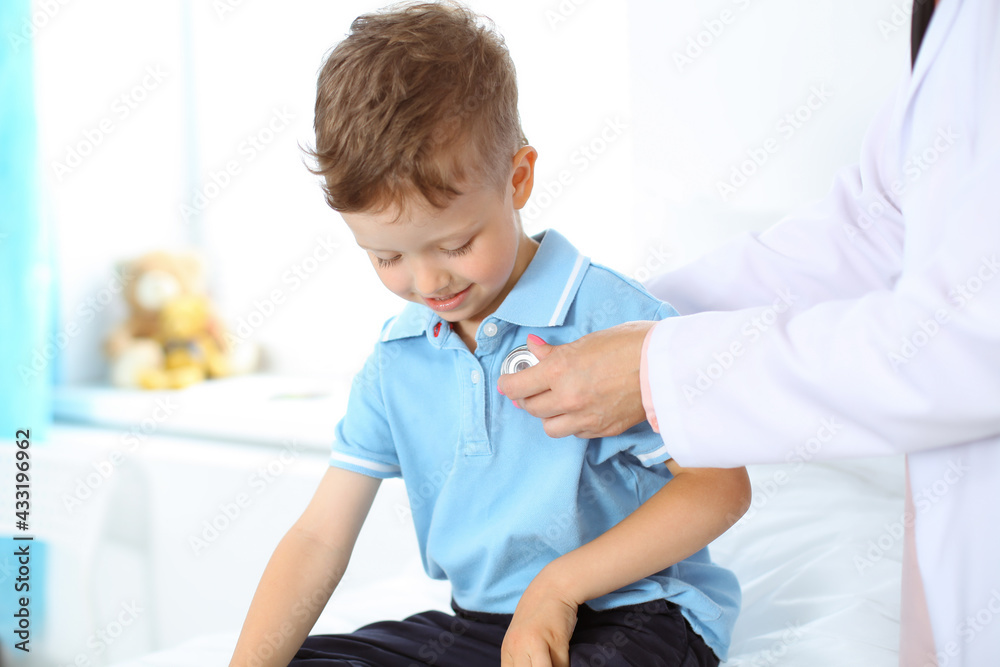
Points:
[(653, 634)]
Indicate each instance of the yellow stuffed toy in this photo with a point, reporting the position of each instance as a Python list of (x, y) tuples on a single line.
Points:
[(171, 339), (190, 347)]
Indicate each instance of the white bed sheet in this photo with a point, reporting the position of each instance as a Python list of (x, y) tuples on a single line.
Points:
[(818, 556)]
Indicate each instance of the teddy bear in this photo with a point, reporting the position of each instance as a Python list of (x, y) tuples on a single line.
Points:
[(171, 339)]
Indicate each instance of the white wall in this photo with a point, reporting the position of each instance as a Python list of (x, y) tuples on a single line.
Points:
[(231, 68), (714, 84)]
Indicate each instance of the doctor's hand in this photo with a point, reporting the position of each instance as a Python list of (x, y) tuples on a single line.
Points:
[(589, 388)]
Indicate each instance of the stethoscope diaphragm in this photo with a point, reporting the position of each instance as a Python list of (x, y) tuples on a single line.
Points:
[(518, 359)]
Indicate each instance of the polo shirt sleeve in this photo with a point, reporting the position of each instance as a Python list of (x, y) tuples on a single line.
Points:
[(640, 442), (364, 442)]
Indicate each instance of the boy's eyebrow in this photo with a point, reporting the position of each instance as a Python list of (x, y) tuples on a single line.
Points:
[(364, 247)]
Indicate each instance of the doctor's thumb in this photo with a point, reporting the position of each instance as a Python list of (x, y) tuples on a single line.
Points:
[(538, 347)]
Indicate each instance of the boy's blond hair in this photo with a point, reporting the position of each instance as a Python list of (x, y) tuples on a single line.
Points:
[(417, 98)]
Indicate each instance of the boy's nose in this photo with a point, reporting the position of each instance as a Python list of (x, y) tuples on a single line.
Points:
[(429, 279)]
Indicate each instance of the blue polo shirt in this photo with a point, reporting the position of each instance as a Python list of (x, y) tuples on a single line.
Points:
[(493, 498)]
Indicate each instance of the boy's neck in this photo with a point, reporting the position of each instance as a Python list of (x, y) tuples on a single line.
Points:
[(466, 330)]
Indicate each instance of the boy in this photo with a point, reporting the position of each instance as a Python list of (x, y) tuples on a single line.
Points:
[(558, 551)]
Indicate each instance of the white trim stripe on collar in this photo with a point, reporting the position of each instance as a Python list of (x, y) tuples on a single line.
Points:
[(566, 290)]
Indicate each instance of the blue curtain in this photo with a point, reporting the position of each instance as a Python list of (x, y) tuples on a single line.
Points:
[(28, 347)]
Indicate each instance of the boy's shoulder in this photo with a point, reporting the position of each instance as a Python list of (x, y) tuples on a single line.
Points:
[(603, 277), (562, 274), (621, 298)]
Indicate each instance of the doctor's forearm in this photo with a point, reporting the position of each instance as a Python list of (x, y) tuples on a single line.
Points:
[(890, 373)]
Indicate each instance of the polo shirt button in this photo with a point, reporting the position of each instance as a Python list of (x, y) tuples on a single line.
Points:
[(475, 377), (490, 329)]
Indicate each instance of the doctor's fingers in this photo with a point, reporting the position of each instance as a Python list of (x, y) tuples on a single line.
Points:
[(559, 419), (588, 421), (523, 384), (561, 426), (543, 405)]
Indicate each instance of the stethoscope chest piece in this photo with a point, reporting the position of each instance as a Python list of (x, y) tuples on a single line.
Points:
[(518, 359)]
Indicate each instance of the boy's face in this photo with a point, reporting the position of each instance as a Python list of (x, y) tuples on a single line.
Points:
[(460, 261)]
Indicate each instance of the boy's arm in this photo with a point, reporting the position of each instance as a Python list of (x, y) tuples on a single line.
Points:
[(303, 571), (690, 511)]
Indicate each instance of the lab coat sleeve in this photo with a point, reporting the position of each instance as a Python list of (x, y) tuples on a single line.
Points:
[(876, 356), (843, 246)]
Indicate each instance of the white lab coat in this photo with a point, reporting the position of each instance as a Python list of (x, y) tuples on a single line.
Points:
[(869, 324)]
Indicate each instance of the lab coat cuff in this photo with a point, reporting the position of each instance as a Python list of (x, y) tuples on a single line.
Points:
[(663, 395), (647, 393)]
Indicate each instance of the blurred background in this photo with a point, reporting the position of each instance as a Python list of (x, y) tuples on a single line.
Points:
[(128, 127)]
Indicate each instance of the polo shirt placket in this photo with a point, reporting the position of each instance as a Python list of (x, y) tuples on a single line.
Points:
[(472, 379)]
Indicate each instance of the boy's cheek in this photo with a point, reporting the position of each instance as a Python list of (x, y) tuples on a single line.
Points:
[(494, 269)]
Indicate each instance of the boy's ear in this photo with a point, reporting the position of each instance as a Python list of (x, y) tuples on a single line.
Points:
[(523, 178)]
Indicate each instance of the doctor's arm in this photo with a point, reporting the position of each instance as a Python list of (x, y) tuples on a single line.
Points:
[(304, 570), (898, 370)]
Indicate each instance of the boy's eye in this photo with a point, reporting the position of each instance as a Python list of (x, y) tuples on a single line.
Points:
[(386, 263), (460, 251)]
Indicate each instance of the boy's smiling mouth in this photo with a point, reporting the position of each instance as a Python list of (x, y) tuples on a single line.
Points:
[(447, 303)]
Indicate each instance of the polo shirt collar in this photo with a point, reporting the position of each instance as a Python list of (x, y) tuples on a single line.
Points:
[(541, 298), (413, 321), (543, 295)]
